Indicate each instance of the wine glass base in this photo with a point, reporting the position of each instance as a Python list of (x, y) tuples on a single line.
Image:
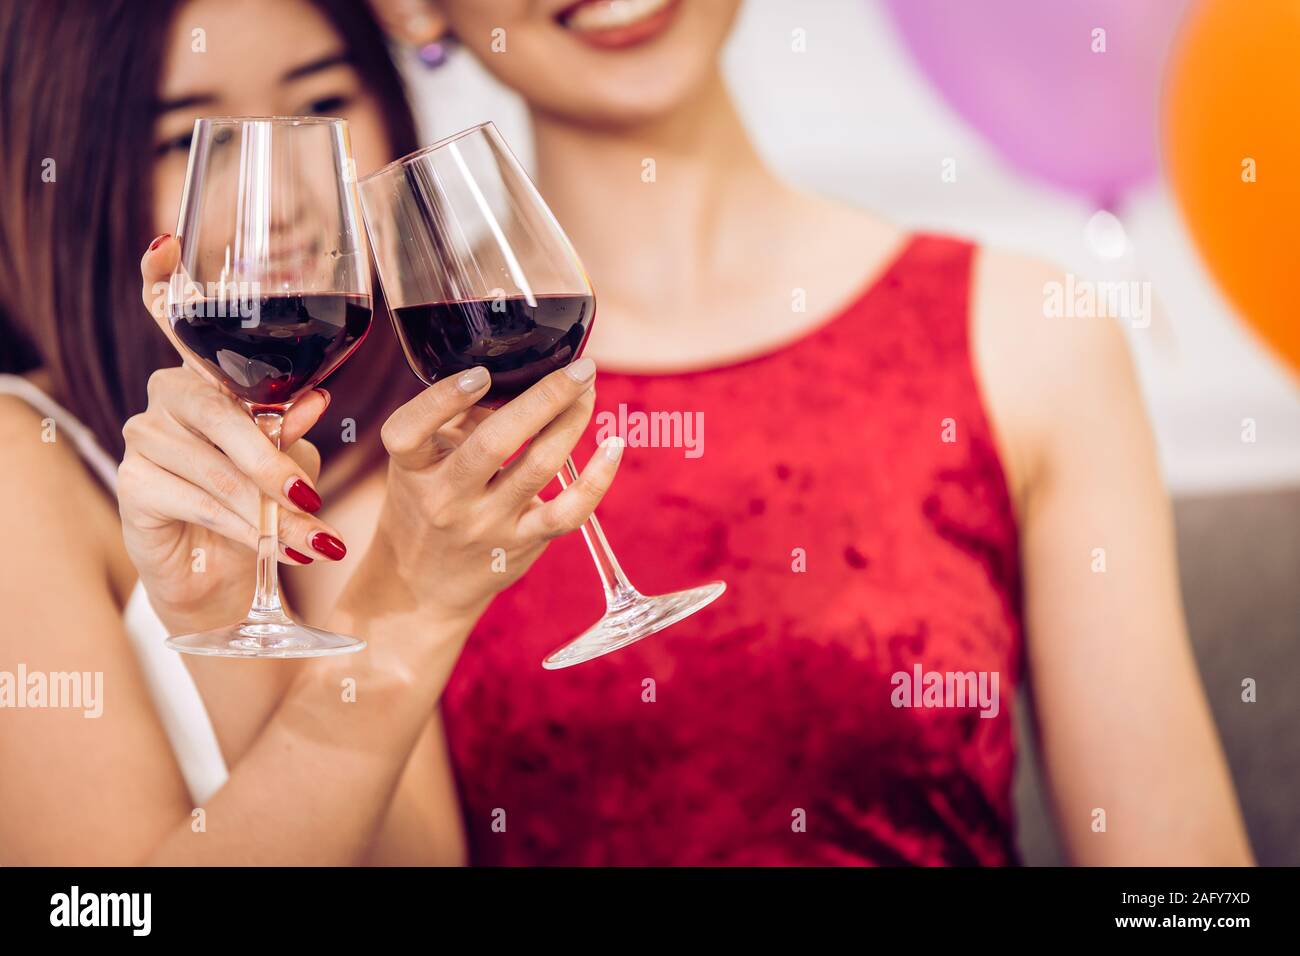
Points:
[(646, 615), (268, 640)]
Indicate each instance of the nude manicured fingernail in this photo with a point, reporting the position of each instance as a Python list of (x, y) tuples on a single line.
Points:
[(613, 446), (153, 246), (303, 495), (581, 370), (329, 546), (328, 397), (297, 556), (472, 379)]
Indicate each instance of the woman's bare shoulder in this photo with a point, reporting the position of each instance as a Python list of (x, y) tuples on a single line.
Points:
[(1047, 372), (37, 452), (50, 503)]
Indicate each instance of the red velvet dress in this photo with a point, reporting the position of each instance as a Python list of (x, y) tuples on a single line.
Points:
[(764, 730)]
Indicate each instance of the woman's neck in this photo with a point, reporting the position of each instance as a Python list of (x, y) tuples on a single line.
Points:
[(647, 205)]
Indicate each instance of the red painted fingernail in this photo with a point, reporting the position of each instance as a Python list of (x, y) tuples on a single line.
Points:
[(159, 241), (304, 496), (328, 545), (297, 556)]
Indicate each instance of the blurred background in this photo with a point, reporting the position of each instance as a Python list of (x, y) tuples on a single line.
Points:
[(862, 115)]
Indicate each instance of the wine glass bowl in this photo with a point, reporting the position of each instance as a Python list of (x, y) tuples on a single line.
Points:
[(271, 293), (518, 340), (272, 348), (475, 269)]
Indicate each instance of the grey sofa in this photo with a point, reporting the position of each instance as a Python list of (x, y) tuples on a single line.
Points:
[(1239, 559)]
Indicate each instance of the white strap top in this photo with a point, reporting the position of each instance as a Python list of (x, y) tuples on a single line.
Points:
[(175, 696)]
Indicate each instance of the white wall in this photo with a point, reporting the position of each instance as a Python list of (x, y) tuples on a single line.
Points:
[(852, 117)]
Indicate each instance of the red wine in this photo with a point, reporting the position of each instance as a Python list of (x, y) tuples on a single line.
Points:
[(517, 343), (280, 346)]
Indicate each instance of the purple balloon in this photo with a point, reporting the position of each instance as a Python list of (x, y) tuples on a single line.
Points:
[(1023, 72)]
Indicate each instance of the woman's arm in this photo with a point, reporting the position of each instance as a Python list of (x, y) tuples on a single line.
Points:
[(424, 825), (317, 785), (1122, 718)]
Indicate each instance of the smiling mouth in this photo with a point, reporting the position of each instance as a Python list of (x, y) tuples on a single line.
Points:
[(284, 263), (614, 24)]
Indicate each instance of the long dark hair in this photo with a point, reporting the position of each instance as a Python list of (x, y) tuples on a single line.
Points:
[(78, 81)]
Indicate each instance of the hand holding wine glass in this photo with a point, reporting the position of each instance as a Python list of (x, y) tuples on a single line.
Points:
[(477, 272), (190, 483), (461, 520), (270, 294)]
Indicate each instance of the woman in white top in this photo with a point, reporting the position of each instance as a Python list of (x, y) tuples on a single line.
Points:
[(329, 761)]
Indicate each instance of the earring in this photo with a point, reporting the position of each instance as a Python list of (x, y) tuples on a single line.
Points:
[(434, 54)]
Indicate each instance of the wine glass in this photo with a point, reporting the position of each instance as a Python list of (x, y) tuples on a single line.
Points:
[(271, 294), (476, 271)]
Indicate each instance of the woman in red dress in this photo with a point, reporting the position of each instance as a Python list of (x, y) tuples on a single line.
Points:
[(915, 474)]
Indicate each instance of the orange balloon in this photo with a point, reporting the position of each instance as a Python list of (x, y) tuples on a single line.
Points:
[(1232, 146)]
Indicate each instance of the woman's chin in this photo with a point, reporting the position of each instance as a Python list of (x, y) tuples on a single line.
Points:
[(614, 98)]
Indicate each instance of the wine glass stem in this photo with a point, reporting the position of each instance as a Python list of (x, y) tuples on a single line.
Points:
[(266, 600), (619, 592)]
